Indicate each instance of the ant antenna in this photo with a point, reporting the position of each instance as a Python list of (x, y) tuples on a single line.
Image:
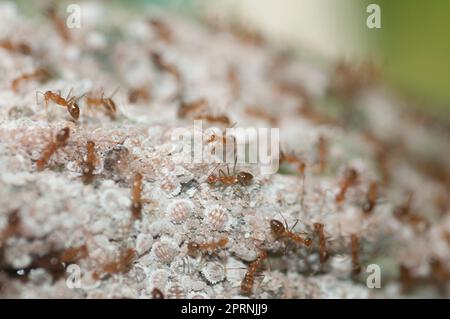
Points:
[(68, 94), (114, 92)]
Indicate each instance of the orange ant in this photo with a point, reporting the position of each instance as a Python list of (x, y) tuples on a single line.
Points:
[(223, 119), (37, 74), (138, 94), (60, 140), (351, 175), (122, 265), (88, 166), (323, 253), (70, 102), (194, 248), (282, 231), (243, 178), (189, 107), (163, 65), (249, 278), (108, 104), (20, 47), (136, 201), (292, 159), (371, 198), (356, 267), (74, 253), (403, 213), (157, 294), (59, 23), (162, 29)]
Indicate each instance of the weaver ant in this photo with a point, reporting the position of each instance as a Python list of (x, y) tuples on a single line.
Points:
[(249, 278), (70, 102), (121, 265), (371, 198), (37, 74), (282, 231), (191, 107), (403, 213), (227, 179), (350, 178), (60, 140), (194, 248), (20, 47), (59, 23), (138, 94), (107, 102)]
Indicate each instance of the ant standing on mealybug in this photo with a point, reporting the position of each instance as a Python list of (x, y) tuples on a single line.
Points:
[(227, 179), (209, 247), (283, 231)]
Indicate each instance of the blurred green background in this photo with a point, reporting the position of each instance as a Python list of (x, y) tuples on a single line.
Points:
[(414, 45)]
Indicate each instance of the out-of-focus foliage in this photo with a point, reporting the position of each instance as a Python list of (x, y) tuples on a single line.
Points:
[(415, 47)]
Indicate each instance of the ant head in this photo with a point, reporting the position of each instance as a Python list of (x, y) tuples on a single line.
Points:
[(74, 110), (244, 178), (90, 144), (212, 179), (277, 227)]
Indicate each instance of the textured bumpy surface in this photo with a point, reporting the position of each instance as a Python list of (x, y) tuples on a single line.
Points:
[(68, 236)]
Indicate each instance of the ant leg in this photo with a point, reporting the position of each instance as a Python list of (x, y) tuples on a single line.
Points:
[(222, 172), (68, 94), (114, 92), (259, 282), (293, 226)]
